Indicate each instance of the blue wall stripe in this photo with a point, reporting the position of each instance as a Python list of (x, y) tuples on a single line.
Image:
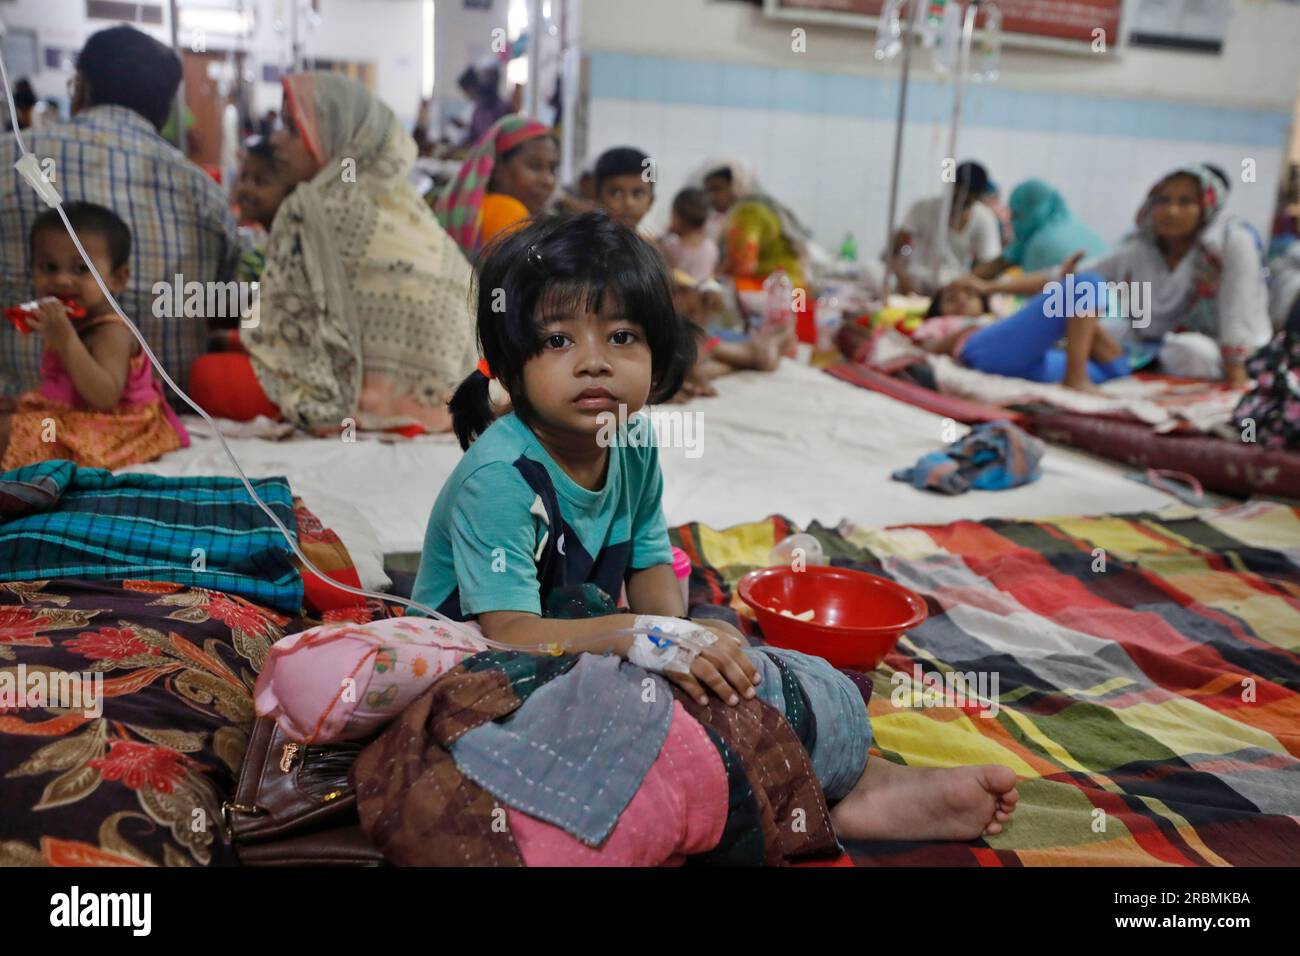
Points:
[(623, 76)]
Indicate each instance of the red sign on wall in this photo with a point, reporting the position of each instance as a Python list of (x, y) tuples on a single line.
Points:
[(1071, 20)]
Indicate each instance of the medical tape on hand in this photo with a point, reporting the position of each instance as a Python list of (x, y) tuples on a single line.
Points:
[(668, 645)]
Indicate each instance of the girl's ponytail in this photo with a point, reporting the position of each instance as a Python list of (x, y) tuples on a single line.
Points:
[(471, 408)]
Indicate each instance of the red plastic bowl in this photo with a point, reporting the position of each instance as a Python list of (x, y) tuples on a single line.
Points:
[(859, 616)]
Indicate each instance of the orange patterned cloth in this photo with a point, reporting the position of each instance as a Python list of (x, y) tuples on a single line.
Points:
[(44, 428), (126, 435), (54, 421)]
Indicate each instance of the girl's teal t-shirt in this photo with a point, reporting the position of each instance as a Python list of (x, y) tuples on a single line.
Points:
[(510, 527)]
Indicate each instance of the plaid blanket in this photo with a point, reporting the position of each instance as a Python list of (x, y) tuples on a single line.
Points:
[(63, 521), (1140, 672)]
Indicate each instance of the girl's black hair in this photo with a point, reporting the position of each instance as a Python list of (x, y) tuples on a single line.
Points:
[(573, 262), (88, 219), (933, 311)]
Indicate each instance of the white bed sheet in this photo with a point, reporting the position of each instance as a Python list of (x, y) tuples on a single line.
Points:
[(795, 442)]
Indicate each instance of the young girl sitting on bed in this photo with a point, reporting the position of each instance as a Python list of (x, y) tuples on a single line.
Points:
[(98, 403), (1024, 345), (548, 515)]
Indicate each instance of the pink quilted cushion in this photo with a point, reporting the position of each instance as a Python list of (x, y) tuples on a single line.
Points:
[(345, 681)]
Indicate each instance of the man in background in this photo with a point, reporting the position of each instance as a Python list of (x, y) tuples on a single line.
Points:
[(110, 153)]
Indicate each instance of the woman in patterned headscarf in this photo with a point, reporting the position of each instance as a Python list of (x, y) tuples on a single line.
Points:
[(759, 234), (364, 303), (507, 177)]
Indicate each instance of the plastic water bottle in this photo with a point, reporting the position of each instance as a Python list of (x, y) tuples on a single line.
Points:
[(947, 39), (830, 316), (849, 248), (933, 21), (797, 551), (778, 295)]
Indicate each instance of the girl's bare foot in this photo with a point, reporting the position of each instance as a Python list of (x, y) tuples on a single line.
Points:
[(895, 802), (767, 346)]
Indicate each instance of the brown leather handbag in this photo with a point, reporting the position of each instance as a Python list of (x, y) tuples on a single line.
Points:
[(294, 805)]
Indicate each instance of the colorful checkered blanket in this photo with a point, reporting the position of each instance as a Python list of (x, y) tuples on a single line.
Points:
[(1140, 672)]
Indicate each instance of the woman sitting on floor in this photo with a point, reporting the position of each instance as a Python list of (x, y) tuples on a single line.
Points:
[(760, 235), (1194, 277), (363, 310), (508, 176)]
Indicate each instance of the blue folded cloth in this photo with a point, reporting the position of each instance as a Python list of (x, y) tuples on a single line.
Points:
[(991, 457), (59, 520)]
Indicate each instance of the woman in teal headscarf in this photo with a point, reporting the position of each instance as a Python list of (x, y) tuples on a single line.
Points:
[(1045, 232)]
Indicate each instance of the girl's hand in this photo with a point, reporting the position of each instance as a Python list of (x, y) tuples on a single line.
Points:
[(722, 667), (51, 322)]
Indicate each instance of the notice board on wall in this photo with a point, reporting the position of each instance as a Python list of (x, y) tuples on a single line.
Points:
[(1059, 24)]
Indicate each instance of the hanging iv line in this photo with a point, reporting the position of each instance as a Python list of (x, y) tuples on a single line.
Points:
[(29, 167)]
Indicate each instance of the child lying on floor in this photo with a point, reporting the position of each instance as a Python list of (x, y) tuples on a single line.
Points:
[(1024, 345), (549, 515), (98, 403)]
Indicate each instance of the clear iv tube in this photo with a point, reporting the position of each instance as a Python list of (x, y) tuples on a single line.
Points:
[(457, 627)]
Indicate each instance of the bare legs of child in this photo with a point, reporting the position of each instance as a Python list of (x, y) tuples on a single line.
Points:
[(761, 352), (1086, 340), (894, 802)]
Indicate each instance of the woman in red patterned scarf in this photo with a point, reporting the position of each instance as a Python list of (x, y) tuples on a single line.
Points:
[(508, 176)]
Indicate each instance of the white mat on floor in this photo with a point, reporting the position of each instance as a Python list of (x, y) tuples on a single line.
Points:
[(795, 442)]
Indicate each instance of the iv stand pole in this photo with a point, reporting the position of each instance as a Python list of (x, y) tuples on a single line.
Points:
[(178, 104), (959, 90), (910, 35)]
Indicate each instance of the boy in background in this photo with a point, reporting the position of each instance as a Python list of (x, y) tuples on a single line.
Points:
[(625, 186)]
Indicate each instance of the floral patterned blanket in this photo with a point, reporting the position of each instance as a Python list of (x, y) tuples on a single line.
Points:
[(125, 709)]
